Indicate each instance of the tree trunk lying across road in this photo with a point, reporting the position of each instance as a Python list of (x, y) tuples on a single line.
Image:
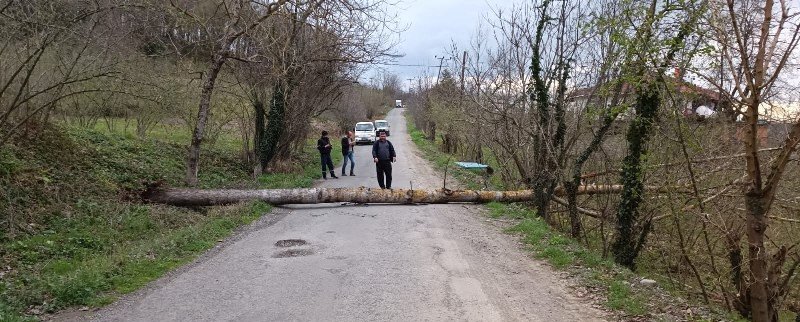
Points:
[(213, 197)]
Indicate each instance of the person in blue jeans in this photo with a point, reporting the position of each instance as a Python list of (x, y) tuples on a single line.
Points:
[(324, 146), (348, 144), (383, 155)]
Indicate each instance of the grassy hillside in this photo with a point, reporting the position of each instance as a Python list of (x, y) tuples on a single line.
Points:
[(73, 232)]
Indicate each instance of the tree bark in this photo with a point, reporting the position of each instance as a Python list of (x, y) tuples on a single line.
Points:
[(213, 197), (630, 227), (274, 130), (259, 115), (540, 97), (756, 229), (572, 186), (202, 118)]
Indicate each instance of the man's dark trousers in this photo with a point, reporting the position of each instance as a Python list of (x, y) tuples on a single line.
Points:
[(384, 167), (326, 161)]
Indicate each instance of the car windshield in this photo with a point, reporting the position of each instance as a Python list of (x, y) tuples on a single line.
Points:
[(364, 127), (381, 124)]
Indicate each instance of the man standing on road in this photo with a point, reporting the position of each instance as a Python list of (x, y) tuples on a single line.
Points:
[(347, 151), (324, 146), (383, 155)]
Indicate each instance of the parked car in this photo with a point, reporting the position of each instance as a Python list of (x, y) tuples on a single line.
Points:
[(381, 125), (365, 132)]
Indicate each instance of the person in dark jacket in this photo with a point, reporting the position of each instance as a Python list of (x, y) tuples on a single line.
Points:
[(383, 155), (324, 146), (348, 143)]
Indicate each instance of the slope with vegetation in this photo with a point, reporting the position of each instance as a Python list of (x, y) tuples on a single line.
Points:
[(76, 234), (599, 279)]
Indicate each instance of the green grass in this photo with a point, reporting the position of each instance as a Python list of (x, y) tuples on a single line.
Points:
[(68, 234), (311, 170), (163, 132), (513, 211), (564, 253), (82, 262), (621, 297), (442, 161), (600, 274)]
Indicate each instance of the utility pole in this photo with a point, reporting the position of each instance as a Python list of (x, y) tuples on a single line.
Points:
[(441, 63), (721, 93), (478, 148), (463, 66)]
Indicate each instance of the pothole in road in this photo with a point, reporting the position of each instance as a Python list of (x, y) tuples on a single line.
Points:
[(293, 253), (290, 242)]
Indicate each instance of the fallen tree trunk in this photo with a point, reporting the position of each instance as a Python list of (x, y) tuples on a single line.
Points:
[(213, 197)]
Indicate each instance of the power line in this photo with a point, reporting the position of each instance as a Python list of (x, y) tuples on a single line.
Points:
[(441, 63), (404, 65)]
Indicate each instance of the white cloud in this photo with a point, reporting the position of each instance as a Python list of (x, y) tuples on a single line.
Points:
[(432, 26)]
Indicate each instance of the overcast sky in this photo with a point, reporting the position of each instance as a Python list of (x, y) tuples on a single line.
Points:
[(431, 26)]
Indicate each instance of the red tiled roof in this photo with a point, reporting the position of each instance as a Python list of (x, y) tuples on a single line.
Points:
[(684, 88)]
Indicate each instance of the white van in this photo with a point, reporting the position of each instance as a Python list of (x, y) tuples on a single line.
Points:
[(365, 132), (382, 125)]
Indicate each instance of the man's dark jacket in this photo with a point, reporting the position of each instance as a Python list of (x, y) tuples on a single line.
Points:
[(345, 145), (321, 145), (384, 151)]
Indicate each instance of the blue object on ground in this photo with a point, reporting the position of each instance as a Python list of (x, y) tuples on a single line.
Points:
[(471, 165)]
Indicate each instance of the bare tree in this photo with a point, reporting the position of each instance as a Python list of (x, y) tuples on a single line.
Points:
[(239, 17), (295, 64), (391, 85), (757, 42), (50, 52), (627, 84)]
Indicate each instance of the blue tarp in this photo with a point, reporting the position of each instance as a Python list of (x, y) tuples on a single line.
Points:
[(471, 165)]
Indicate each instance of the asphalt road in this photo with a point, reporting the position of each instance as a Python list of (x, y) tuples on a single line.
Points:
[(362, 263)]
